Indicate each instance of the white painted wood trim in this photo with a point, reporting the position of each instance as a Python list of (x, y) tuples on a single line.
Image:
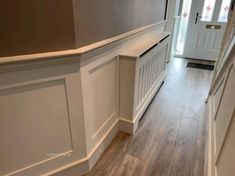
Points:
[(79, 51), (221, 66), (127, 126), (224, 60), (141, 48), (68, 66), (85, 165), (223, 89), (209, 142)]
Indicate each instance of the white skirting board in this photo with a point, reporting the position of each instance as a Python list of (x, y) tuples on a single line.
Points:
[(209, 139), (85, 165)]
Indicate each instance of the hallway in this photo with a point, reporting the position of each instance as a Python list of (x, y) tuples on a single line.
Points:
[(170, 140)]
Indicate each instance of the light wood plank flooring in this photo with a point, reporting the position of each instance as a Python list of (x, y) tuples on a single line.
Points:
[(170, 140)]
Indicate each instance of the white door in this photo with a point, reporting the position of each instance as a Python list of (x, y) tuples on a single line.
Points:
[(206, 28)]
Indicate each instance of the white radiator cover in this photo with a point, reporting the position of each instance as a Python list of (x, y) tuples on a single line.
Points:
[(140, 78)]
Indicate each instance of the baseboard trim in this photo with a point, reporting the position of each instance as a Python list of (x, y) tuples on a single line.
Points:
[(103, 144), (84, 165), (127, 126), (209, 157)]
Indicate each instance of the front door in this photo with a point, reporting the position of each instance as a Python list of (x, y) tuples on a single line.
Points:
[(206, 28)]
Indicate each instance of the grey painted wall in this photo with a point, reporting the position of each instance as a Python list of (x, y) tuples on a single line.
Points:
[(102, 19), (33, 26)]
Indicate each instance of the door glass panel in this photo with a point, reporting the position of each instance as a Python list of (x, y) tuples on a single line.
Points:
[(183, 26), (223, 15), (208, 9)]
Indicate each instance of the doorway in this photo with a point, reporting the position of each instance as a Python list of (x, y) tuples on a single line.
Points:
[(201, 28)]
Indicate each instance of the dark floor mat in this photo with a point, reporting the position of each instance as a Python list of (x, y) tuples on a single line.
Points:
[(200, 66)]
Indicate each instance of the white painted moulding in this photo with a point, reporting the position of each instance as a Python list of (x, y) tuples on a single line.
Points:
[(79, 51)]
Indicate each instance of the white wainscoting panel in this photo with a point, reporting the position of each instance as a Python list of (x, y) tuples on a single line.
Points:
[(225, 164), (41, 122), (225, 112), (100, 89), (221, 155), (59, 115), (34, 125)]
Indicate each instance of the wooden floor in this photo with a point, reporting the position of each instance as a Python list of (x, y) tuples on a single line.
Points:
[(170, 140)]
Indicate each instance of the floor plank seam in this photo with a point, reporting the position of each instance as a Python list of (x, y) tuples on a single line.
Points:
[(195, 150), (174, 146)]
